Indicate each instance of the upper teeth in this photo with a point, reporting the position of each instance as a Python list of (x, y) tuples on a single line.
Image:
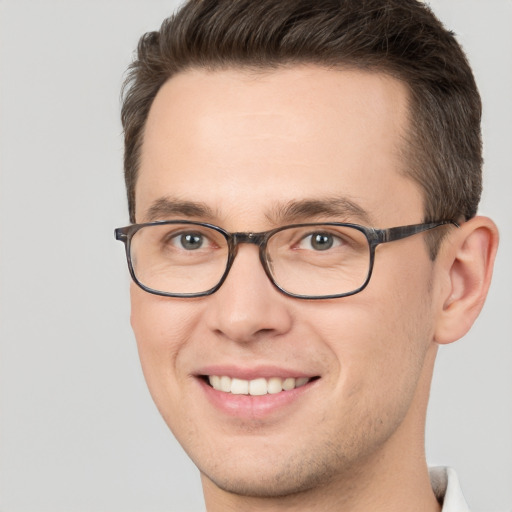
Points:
[(255, 387)]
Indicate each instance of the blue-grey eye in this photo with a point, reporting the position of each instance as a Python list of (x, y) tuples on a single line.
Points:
[(319, 241), (191, 241), (322, 241)]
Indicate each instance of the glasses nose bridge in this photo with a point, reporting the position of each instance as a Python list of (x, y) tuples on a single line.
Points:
[(258, 239)]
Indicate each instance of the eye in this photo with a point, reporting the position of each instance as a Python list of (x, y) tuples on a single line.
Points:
[(319, 241), (189, 241)]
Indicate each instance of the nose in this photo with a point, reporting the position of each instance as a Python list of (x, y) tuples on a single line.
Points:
[(247, 306)]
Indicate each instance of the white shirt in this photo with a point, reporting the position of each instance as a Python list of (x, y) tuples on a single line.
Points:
[(447, 489)]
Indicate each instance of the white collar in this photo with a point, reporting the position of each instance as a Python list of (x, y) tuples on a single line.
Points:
[(447, 489)]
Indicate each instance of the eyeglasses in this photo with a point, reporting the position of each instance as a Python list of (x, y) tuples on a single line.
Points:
[(180, 258)]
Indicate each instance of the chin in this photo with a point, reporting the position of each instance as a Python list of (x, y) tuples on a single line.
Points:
[(270, 476), (276, 485)]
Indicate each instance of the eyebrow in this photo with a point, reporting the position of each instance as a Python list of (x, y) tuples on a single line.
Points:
[(334, 208), (166, 207)]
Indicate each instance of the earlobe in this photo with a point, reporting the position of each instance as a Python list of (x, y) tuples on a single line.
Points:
[(467, 263)]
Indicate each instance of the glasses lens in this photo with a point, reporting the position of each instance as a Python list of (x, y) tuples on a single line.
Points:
[(178, 258), (319, 260)]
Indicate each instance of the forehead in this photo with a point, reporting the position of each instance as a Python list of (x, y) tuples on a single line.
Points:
[(240, 141)]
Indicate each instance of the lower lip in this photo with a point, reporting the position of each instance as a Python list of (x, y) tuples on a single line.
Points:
[(254, 407)]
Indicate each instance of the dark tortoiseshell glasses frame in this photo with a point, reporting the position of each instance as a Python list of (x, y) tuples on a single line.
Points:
[(375, 237)]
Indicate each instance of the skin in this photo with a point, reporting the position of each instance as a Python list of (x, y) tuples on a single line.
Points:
[(243, 144)]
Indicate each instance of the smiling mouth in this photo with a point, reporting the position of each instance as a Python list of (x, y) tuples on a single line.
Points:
[(256, 387)]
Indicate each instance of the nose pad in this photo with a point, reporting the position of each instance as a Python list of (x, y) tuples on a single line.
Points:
[(247, 306)]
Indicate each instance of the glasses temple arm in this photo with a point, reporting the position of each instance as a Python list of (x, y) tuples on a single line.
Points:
[(391, 234)]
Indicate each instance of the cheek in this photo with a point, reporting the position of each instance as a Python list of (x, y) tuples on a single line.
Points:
[(380, 338), (159, 322), (162, 327)]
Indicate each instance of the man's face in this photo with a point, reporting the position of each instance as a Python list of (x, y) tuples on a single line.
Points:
[(244, 147)]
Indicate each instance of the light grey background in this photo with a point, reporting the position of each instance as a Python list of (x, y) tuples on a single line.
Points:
[(78, 431)]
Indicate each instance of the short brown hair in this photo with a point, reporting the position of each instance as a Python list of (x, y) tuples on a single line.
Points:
[(402, 38)]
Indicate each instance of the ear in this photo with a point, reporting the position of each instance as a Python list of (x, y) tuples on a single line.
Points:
[(466, 261)]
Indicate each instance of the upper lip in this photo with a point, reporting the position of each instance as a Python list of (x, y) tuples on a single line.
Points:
[(255, 372)]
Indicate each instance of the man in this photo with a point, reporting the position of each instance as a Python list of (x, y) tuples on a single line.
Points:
[(303, 179)]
